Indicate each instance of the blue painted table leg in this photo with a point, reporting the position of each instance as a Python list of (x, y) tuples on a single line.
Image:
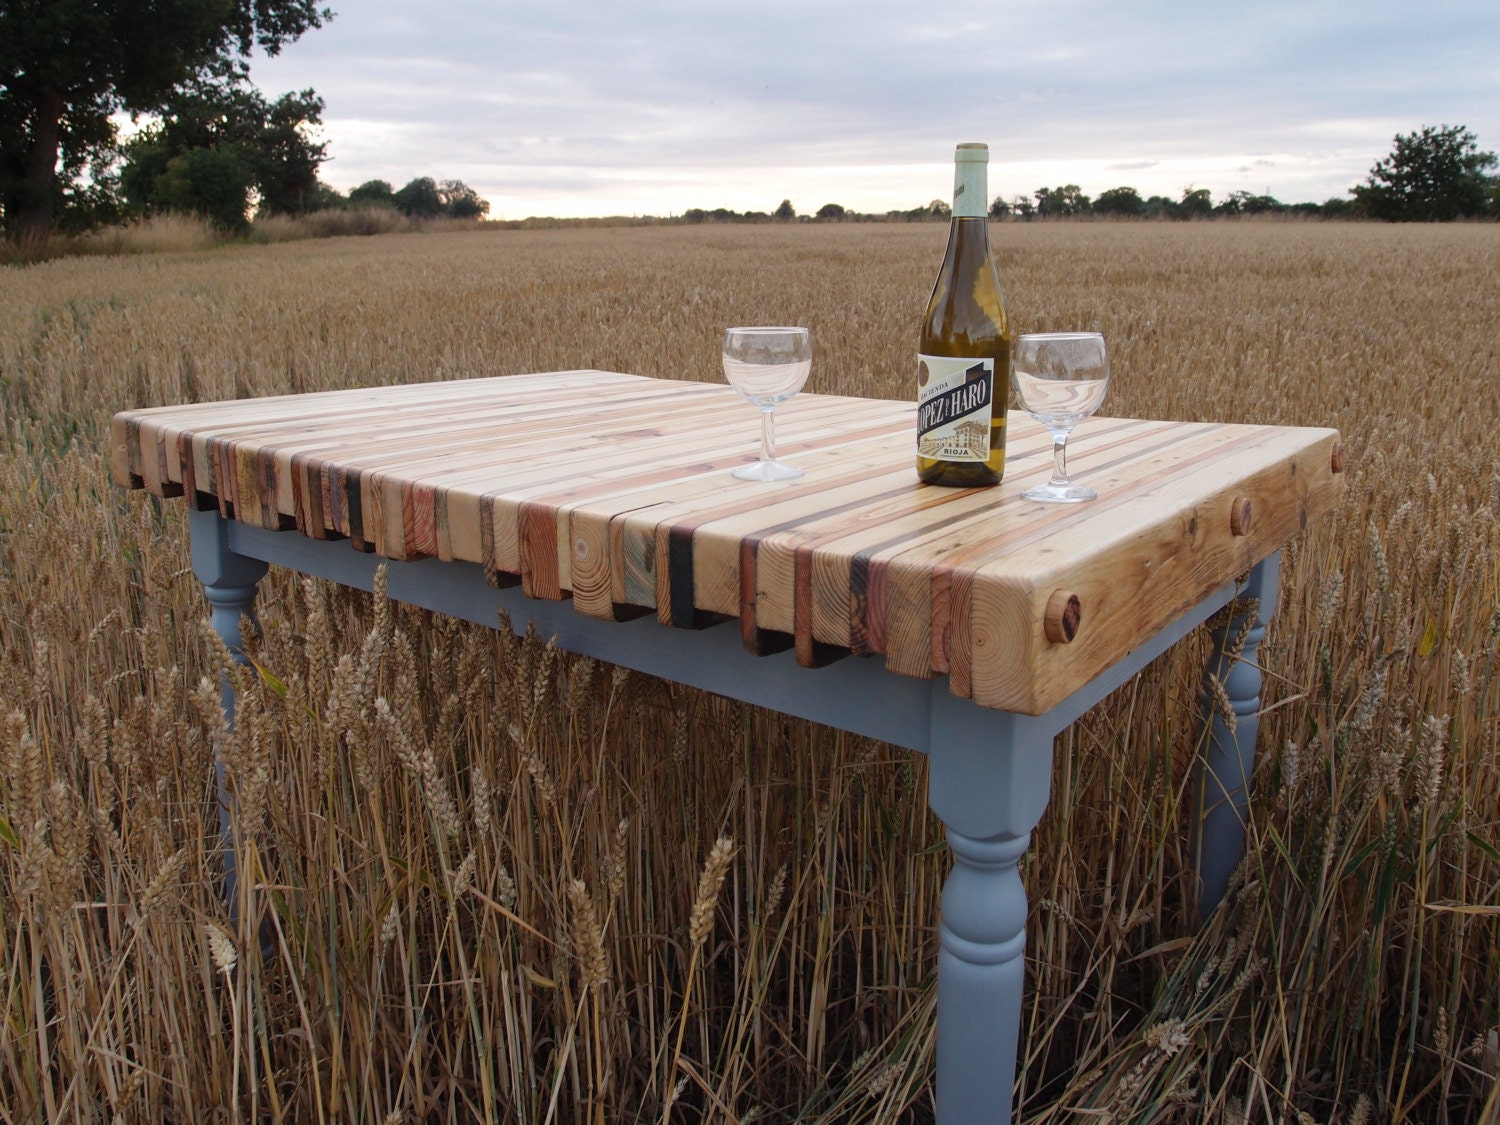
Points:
[(991, 774), (229, 580), (990, 778), (1227, 757)]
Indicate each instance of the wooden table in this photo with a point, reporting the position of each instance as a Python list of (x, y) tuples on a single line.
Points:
[(600, 506)]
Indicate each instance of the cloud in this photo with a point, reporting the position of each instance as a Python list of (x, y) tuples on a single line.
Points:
[(545, 108)]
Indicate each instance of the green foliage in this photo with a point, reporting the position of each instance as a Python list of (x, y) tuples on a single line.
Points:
[(1434, 175), (425, 198), (723, 215), (212, 182), (786, 212), (999, 209), (1063, 202), (67, 65), (1160, 207), (831, 211), (285, 160), (936, 211), (460, 201), (225, 115), (1246, 203), (1120, 201), (1197, 203), (373, 193), (325, 198), (419, 199)]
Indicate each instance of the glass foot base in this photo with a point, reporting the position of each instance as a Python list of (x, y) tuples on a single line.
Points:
[(1060, 493), (767, 470)]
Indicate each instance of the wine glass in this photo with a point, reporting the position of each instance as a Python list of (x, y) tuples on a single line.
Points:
[(767, 366), (1061, 378)]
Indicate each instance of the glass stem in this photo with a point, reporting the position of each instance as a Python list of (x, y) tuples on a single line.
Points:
[(1059, 459), (767, 434)]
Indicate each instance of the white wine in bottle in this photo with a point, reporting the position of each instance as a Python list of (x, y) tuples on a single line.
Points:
[(963, 360)]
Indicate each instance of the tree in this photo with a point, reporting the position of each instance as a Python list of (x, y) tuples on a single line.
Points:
[(999, 209), (1196, 203), (1120, 201), (66, 65), (285, 159), (1065, 201), (786, 212), (1246, 203), (226, 116), (1160, 207), (419, 199), (1434, 175), (212, 182), (372, 193), (831, 211), (460, 201)]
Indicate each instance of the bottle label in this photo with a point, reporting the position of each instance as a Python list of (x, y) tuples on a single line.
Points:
[(953, 407)]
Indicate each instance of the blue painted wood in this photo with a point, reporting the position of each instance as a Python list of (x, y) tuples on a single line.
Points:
[(990, 776), (856, 694), (229, 580), (1226, 758)]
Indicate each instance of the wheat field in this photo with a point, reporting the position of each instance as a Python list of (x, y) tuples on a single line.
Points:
[(501, 883)]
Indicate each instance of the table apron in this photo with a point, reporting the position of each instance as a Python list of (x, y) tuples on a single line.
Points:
[(856, 694)]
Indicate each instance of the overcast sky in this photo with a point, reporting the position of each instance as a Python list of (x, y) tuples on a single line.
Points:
[(609, 107)]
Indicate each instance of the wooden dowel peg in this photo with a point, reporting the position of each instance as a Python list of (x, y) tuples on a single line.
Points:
[(1241, 515), (1064, 615)]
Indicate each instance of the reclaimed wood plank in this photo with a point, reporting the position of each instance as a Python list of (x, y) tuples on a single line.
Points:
[(1171, 544), (615, 490), (625, 468)]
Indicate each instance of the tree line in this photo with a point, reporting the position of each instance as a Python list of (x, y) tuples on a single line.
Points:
[(1435, 174)]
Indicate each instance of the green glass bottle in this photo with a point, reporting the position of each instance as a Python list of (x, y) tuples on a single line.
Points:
[(963, 360)]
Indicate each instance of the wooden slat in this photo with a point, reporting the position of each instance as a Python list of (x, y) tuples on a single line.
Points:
[(615, 490), (1172, 544)]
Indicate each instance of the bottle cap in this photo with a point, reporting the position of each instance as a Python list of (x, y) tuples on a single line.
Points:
[(976, 151)]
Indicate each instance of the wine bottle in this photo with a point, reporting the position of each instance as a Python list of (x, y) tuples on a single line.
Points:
[(963, 358)]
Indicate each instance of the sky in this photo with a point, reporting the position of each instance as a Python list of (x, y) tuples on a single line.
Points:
[(650, 107)]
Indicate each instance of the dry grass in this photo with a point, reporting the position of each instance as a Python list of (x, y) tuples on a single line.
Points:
[(478, 852), (169, 233)]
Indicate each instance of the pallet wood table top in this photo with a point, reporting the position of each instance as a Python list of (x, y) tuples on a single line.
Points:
[(614, 490)]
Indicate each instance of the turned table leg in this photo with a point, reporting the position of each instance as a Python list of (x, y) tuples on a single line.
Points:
[(1227, 757), (229, 580), (989, 783)]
